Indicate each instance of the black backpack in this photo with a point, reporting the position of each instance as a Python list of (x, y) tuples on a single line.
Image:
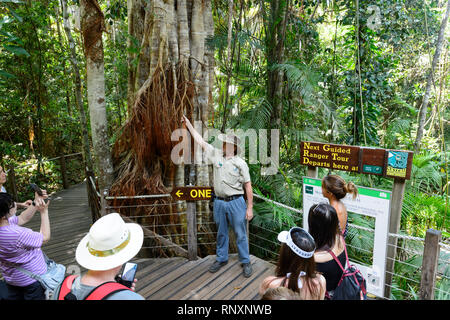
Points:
[(352, 285)]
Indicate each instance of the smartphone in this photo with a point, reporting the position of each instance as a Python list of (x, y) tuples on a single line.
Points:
[(128, 274)]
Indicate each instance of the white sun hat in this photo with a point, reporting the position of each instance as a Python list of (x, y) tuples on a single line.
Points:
[(110, 243), (285, 237)]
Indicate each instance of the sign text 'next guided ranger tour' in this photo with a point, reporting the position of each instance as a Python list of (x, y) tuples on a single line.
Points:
[(367, 160), (330, 156)]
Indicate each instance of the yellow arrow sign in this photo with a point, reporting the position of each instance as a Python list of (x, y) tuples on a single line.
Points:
[(192, 193)]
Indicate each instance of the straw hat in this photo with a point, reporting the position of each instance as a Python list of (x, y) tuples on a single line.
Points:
[(110, 243)]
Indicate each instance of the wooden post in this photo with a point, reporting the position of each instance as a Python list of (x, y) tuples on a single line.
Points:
[(429, 264), (398, 192), (312, 172), (93, 199), (192, 230), (62, 162), (12, 182)]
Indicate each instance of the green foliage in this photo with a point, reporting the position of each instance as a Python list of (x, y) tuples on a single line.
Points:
[(46, 174), (427, 172), (421, 212), (359, 241), (406, 279), (442, 291)]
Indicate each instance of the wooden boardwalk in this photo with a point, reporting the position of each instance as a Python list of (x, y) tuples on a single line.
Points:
[(158, 279), (180, 279)]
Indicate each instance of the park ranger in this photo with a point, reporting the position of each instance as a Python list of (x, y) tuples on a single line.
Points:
[(231, 180)]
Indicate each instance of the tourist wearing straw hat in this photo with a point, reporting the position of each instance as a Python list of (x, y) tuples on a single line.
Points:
[(109, 244), (231, 179)]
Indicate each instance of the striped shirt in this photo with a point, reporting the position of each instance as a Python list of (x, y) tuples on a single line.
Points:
[(21, 246)]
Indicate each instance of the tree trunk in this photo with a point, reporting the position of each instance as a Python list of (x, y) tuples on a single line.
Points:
[(136, 15), (197, 63), (209, 58), (92, 27), (78, 94), (426, 97), (58, 30), (172, 78), (159, 36), (275, 55), (182, 29), (228, 65)]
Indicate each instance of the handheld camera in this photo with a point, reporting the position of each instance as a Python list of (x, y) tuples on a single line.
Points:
[(38, 190)]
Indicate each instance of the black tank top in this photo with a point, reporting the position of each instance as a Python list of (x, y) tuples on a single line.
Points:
[(331, 271)]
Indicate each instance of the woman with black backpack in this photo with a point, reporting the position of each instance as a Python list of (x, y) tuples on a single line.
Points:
[(331, 254)]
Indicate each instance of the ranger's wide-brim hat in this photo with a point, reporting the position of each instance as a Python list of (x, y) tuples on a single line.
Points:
[(110, 243), (231, 139)]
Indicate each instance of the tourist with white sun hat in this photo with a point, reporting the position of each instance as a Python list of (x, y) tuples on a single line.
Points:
[(109, 244)]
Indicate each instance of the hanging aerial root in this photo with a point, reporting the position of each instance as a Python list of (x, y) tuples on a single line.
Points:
[(142, 152)]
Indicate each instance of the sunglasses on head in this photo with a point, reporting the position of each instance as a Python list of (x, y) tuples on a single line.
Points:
[(318, 205)]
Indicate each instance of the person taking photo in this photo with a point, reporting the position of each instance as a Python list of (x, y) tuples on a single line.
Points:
[(20, 246)]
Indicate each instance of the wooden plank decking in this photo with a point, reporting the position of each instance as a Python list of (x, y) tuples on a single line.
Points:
[(158, 279), (180, 279)]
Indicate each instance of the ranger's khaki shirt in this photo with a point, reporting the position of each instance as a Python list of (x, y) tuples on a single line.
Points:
[(229, 174)]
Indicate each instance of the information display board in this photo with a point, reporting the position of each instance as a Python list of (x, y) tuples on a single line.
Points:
[(374, 203)]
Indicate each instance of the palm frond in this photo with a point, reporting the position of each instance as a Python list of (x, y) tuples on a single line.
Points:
[(425, 173)]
